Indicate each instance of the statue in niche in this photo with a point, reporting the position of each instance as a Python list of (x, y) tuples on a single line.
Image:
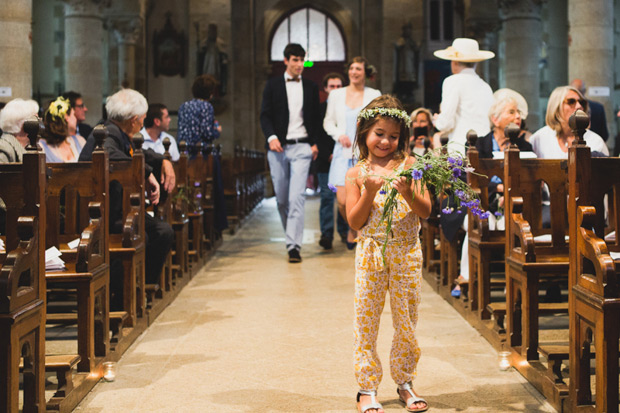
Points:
[(212, 59), (169, 50), (406, 61)]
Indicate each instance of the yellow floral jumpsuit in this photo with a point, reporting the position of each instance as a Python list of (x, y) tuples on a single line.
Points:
[(401, 276)]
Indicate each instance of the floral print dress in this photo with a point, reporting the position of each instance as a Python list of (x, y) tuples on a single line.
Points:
[(400, 274)]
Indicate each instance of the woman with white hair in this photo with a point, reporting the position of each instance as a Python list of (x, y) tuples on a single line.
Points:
[(14, 139), (553, 140)]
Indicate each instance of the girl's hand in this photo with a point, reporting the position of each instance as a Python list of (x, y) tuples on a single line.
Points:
[(403, 187), (373, 183), (344, 141)]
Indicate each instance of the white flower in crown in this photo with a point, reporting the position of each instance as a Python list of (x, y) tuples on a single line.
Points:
[(391, 112)]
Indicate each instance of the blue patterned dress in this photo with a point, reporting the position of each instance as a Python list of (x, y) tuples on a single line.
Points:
[(197, 122)]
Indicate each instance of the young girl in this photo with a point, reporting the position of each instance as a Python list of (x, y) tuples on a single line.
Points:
[(382, 140)]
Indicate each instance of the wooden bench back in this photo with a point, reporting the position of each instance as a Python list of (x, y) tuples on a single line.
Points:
[(523, 183), (129, 174), (22, 188), (591, 180), (77, 196), (484, 170)]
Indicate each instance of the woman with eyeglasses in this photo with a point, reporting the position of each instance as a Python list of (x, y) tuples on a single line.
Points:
[(553, 140)]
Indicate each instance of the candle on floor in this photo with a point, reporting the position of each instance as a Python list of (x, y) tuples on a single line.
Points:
[(109, 370), (504, 360)]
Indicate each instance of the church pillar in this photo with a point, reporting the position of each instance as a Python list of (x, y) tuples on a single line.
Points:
[(127, 32), (84, 53), (15, 49), (522, 34), (557, 44), (591, 50)]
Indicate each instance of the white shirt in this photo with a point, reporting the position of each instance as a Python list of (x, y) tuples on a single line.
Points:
[(465, 103), (546, 145), (295, 97), (158, 145)]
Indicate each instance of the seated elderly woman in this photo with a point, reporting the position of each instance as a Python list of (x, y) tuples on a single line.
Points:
[(421, 128), (60, 140), (552, 141), (14, 139), (508, 107)]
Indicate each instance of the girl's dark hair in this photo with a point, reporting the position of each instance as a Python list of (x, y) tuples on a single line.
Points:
[(56, 128), (365, 125), (204, 86)]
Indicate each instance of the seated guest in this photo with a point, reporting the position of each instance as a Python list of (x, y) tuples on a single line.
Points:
[(422, 128), (598, 120), (126, 112), (196, 117), (156, 124), (14, 139), (553, 140), (78, 105), (508, 107), (60, 140)]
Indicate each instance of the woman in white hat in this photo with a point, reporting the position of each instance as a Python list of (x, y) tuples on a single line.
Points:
[(465, 97)]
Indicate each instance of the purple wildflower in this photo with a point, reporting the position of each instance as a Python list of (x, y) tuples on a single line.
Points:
[(332, 188), (417, 174), (485, 215), (447, 210), (427, 166), (459, 161), (460, 194), (451, 160), (456, 172), (382, 192), (458, 211), (498, 214)]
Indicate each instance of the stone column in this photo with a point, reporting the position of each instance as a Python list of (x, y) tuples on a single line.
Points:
[(127, 31), (84, 53), (591, 49), (16, 48), (522, 29), (557, 44)]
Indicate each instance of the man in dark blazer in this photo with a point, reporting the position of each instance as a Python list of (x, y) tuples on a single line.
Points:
[(289, 120)]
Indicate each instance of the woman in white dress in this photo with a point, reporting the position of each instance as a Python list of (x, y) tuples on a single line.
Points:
[(340, 123), (553, 140)]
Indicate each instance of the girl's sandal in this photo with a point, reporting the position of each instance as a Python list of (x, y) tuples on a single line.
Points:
[(374, 404), (411, 400)]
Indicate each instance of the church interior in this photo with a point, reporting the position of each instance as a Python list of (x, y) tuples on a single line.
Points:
[(519, 309)]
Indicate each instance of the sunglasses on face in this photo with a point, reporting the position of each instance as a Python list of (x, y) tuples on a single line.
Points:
[(573, 102)]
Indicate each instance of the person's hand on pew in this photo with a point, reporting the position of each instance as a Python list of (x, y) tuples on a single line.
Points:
[(152, 189), (168, 180)]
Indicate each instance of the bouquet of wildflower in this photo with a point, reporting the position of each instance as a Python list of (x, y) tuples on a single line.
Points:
[(437, 170)]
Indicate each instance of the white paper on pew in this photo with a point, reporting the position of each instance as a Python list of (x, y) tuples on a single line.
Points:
[(522, 155), (611, 237), (151, 213), (546, 238), (1, 244), (53, 262), (74, 244), (615, 255)]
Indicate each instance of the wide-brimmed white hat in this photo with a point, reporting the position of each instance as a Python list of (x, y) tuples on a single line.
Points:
[(464, 50)]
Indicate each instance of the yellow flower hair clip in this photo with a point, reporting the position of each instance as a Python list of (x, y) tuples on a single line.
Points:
[(59, 108)]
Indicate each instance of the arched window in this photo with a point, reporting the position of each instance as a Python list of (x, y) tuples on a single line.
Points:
[(315, 31)]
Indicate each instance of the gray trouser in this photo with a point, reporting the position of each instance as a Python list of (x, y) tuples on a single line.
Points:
[(289, 172)]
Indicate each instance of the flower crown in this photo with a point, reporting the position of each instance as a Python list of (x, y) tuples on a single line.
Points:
[(59, 108), (392, 112)]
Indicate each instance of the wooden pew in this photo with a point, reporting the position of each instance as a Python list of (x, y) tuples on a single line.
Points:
[(84, 187), (595, 299), (22, 280), (527, 260), (195, 176), (485, 244), (129, 246), (176, 206)]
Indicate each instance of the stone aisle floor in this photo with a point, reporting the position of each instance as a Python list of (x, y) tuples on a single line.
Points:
[(252, 332)]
